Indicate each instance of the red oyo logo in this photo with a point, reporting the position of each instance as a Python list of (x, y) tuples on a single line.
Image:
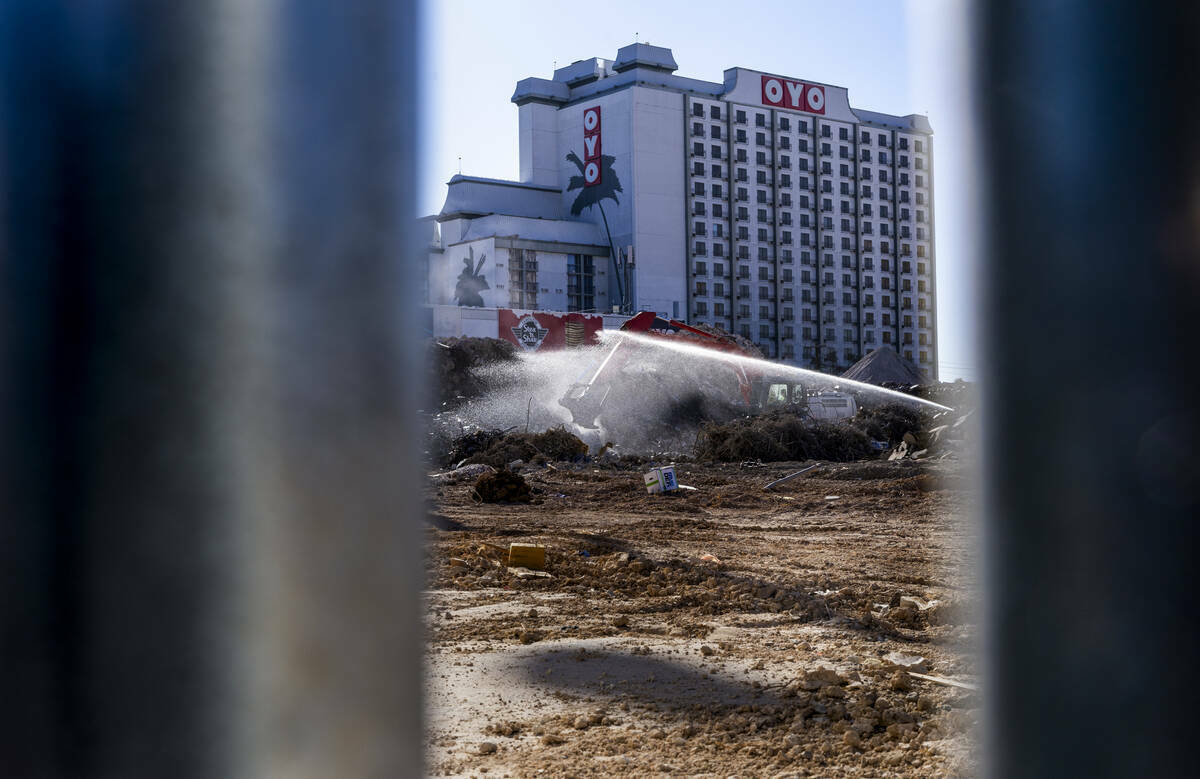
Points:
[(591, 146), (796, 95)]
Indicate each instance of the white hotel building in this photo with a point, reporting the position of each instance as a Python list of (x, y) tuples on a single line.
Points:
[(764, 204)]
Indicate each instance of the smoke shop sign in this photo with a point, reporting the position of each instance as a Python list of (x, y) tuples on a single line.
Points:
[(796, 95)]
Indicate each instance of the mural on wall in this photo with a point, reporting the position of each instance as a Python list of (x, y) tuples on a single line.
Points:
[(602, 184), (470, 282)]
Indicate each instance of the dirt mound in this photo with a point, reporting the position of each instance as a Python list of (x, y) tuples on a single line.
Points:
[(884, 366), (781, 436), (498, 448), (502, 487), (454, 365)]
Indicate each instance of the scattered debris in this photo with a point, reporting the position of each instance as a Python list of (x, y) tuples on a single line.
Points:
[(456, 475), (791, 476), (661, 480), (529, 573), (945, 681), (899, 660)]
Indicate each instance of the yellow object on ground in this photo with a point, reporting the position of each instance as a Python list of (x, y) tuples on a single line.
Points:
[(530, 556)]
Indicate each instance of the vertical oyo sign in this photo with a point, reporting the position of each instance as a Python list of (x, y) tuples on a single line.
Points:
[(783, 93), (591, 146)]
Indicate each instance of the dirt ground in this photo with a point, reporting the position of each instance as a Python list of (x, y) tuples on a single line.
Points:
[(786, 655)]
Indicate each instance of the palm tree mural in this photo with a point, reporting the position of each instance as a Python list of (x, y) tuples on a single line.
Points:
[(608, 188), (470, 281)]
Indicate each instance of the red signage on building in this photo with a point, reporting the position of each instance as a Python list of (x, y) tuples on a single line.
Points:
[(591, 146), (796, 95), (534, 330)]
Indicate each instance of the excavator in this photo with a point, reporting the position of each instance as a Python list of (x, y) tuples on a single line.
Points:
[(756, 390)]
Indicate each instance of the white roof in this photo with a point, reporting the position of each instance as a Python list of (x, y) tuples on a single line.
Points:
[(548, 230), (471, 196)]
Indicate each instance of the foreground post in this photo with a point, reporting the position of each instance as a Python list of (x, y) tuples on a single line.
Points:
[(1091, 289), (210, 535)]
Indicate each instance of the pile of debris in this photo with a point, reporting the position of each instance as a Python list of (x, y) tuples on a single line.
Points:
[(500, 448), (502, 486), (455, 363), (948, 434), (786, 435), (780, 436)]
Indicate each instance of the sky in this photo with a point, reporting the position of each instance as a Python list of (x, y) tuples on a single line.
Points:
[(894, 57)]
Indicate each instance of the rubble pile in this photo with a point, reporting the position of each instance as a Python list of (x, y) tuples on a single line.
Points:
[(499, 448), (502, 486), (786, 435), (454, 365)]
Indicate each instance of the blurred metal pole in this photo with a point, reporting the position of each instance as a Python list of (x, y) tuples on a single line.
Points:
[(208, 373), (1091, 291)]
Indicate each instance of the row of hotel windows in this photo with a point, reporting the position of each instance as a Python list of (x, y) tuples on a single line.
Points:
[(785, 201), (885, 283), (700, 208), (785, 143), (700, 248), (700, 227), (848, 334), (829, 299), (807, 314), (849, 356), (802, 182), (785, 124), (700, 268)]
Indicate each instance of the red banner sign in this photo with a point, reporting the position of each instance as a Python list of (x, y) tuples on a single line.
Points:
[(534, 330), (591, 146), (798, 96)]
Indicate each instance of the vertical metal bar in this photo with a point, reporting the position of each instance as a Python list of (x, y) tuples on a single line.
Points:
[(1090, 291), (207, 347)]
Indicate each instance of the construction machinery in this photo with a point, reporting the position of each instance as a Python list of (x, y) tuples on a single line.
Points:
[(756, 390)]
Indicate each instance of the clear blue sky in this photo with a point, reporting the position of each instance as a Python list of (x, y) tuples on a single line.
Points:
[(894, 57)]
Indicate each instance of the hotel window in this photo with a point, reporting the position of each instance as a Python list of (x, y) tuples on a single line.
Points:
[(715, 112), (580, 283), (760, 139), (697, 168), (697, 109), (715, 131), (698, 149)]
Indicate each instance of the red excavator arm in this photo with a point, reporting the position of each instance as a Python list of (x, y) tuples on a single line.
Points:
[(586, 400)]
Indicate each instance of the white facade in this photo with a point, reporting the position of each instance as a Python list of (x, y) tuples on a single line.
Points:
[(763, 204)]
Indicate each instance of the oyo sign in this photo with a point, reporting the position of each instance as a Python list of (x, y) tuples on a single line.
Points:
[(796, 95), (591, 146)]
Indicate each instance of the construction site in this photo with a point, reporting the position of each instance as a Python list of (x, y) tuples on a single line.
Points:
[(662, 554)]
